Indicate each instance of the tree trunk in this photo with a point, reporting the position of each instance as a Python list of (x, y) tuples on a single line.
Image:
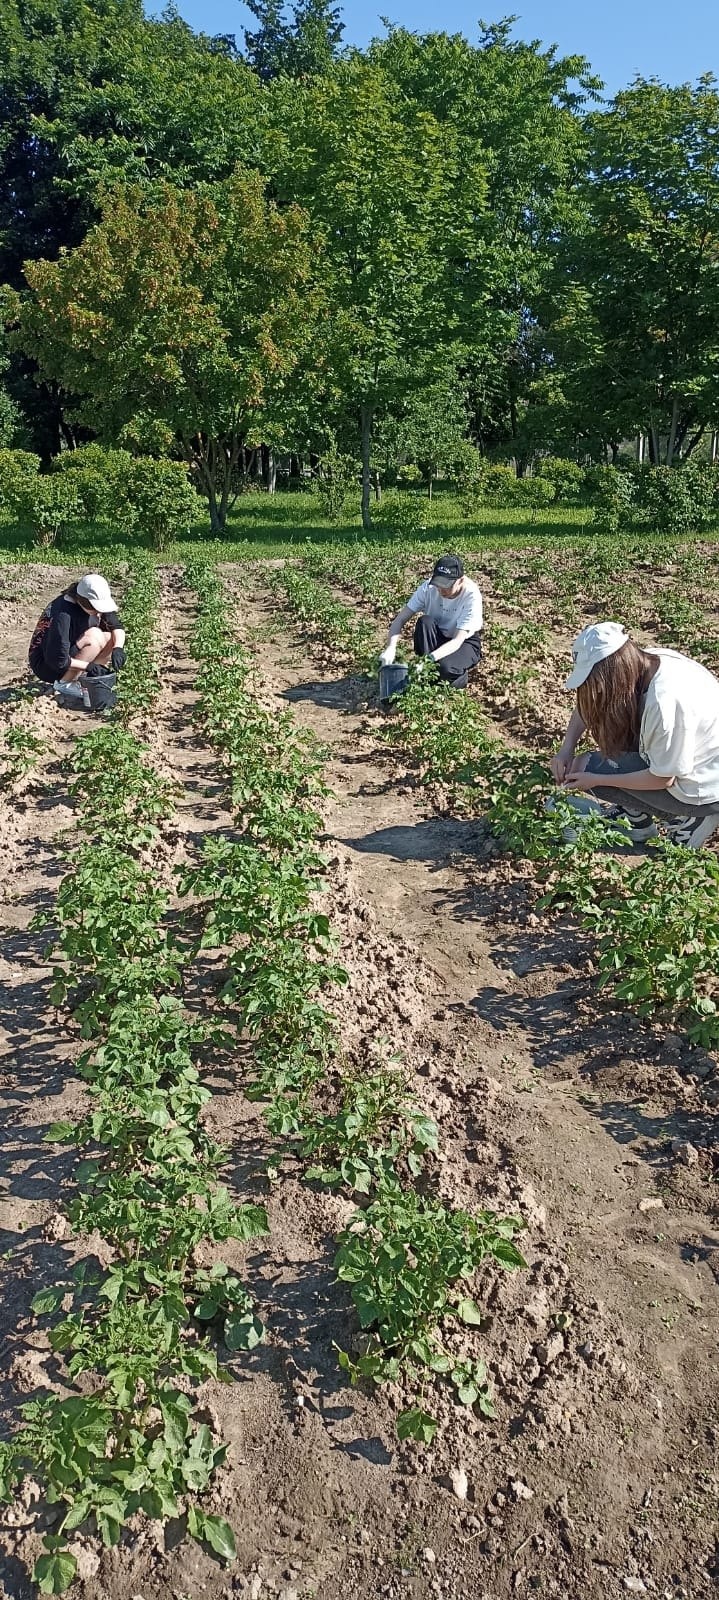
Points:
[(641, 448), (366, 416), (269, 468), (714, 448), (377, 485), (654, 449), (429, 488), (694, 441), (218, 515), (672, 440)]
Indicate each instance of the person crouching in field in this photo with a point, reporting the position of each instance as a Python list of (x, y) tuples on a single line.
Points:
[(448, 626), (78, 630), (655, 716)]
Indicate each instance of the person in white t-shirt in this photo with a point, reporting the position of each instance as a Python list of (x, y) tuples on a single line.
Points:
[(655, 716), (448, 627)]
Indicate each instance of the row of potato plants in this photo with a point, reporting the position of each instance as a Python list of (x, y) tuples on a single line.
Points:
[(513, 653), (120, 1437), (406, 1256), (565, 581), (656, 923)]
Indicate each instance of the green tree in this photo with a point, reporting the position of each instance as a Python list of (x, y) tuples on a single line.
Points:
[(303, 46), (400, 202), (519, 110), (430, 433), (315, 38), (266, 45), (635, 329), (92, 91), (181, 317)]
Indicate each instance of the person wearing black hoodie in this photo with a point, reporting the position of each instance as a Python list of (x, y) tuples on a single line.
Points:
[(80, 629)]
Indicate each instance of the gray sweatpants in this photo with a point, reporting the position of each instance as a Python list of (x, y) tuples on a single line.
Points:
[(657, 802)]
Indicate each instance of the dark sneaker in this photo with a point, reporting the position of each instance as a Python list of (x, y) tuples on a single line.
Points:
[(637, 826), (691, 831)]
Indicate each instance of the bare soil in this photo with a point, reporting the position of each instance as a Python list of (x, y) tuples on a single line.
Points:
[(599, 1475)]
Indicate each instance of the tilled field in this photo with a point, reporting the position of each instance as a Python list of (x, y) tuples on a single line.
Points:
[(597, 1474)]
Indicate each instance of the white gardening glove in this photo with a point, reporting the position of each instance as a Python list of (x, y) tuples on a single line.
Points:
[(388, 654)]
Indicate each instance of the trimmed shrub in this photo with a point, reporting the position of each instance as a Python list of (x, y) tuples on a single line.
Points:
[(567, 478), (498, 486), (612, 495), (52, 504), (101, 477), (131, 494), (403, 514), (537, 493), (18, 472), (163, 500), (678, 500)]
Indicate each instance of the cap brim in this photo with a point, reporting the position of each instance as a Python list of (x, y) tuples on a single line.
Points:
[(578, 676)]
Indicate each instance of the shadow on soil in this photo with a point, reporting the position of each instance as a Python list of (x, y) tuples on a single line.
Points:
[(340, 694)]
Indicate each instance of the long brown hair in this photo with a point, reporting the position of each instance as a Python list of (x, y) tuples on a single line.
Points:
[(610, 699)]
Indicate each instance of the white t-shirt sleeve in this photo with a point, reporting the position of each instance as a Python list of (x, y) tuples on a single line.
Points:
[(419, 601), (668, 736)]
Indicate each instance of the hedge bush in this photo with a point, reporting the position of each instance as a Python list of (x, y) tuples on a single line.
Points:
[(403, 514), (18, 471), (135, 495), (678, 500), (612, 494), (162, 500), (567, 478)]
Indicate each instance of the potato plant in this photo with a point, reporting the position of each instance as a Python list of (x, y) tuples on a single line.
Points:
[(257, 898), (148, 1183), (409, 1260), (655, 922)]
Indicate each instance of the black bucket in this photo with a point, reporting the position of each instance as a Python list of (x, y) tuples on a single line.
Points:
[(393, 680), (102, 690)]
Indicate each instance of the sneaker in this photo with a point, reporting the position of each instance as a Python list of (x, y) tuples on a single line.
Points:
[(637, 826), (691, 831), (70, 691), (585, 807)]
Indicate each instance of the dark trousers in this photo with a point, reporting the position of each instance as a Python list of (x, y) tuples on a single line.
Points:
[(455, 667), (655, 802)]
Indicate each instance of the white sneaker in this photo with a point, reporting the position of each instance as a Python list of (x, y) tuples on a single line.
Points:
[(584, 806), (692, 832), (636, 826), (70, 691)]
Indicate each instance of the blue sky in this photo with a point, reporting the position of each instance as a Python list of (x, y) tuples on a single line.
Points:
[(620, 37)]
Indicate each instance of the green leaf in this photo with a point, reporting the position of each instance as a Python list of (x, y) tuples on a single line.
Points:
[(207, 1308), (243, 1332), (59, 1133), (213, 1531), (468, 1311), (174, 1417), (54, 1573), (416, 1424), (48, 1300), (508, 1254)]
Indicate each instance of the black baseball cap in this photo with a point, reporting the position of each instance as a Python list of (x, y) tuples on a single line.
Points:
[(447, 570)]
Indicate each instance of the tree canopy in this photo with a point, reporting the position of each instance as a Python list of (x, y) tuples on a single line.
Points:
[(291, 243)]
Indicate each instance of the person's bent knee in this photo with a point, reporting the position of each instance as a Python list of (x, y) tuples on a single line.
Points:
[(92, 639), (425, 636)]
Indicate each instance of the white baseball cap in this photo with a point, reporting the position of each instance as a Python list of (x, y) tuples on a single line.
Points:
[(594, 644), (96, 591)]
